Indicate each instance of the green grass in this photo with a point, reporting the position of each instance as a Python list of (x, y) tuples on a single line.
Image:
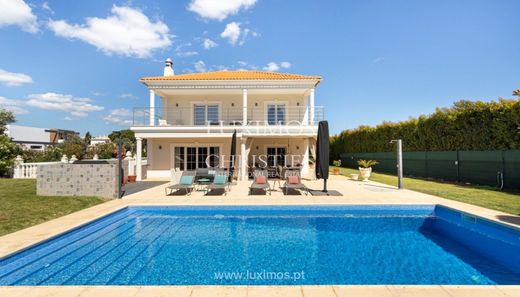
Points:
[(20, 207), (478, 195)]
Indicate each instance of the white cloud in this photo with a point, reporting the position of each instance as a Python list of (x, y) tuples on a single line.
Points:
[(187, 54), (126, 32), (378, 60), (45, 6), (200, 66), (119, 116), (231, 32), (75, 106), (274, 66), (208, 43), (13, 105), (14, 79), (219, 9), (128, 96), (18, 13)]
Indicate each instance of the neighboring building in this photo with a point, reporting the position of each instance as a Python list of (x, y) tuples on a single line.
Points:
[(99, 139), (37, 138), (273, 113)]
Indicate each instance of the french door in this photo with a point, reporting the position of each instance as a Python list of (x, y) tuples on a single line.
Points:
[(276, 114), (276, 156), (193, 157), (204, 114)]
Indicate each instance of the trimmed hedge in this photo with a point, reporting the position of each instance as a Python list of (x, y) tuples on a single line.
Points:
[(467, 125)]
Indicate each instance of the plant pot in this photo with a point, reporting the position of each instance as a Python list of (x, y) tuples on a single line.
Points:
[(335, 171), (365, 173), (131, 178)]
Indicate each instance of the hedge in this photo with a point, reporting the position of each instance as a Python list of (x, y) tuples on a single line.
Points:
[(467, 125)]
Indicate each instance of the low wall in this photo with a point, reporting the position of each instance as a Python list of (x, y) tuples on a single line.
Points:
[(63, 179)]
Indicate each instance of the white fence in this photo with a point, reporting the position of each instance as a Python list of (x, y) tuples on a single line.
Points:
[(30, 170)]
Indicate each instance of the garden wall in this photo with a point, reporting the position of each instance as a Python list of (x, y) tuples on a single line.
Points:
[(64, 179), (489, 168)]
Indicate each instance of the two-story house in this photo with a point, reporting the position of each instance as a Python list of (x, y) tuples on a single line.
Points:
[(274, 115)]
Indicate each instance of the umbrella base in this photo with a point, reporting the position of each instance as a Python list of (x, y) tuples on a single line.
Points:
[(328, 193)]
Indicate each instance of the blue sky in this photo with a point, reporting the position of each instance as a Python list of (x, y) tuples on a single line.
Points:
[(76, 64)]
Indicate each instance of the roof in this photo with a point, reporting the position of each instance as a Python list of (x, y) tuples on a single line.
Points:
[(234, 75)]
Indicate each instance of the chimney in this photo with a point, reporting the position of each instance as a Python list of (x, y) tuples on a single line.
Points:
[(168, 67)]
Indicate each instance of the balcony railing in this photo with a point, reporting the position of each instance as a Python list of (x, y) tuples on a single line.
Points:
[(187, 117)]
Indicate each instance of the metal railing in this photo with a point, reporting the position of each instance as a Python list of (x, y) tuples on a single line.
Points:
[(187, 116)]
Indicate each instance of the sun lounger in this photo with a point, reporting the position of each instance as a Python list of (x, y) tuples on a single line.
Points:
[(260, 181), (293, 181), (220, 181), (185, 183)]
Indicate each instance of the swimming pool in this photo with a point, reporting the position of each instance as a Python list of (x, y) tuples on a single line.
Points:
[(279, 245)]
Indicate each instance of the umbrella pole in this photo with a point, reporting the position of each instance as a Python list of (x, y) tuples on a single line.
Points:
[(325, 185)]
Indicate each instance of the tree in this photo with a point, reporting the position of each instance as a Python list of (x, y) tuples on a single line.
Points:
[(103, 150), (87, 138), (6, 118), (74, 145), (8, 153), (128, 137)]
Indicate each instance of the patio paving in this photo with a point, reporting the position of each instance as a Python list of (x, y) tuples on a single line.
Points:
[(353, 193)]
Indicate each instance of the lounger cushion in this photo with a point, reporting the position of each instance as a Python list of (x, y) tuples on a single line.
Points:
[(186, 180), (293, 179), (260, 179), (220, 179)]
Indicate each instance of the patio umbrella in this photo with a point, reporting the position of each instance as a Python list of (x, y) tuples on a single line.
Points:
[(232, 155), (322, 153)]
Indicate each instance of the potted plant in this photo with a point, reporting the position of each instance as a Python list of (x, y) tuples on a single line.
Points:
[(365, 168), (337, 164)]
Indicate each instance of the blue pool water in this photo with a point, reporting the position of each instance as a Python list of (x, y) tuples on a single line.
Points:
[(274, 245)]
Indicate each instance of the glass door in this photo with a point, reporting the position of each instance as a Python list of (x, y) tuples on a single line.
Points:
[(191, 158), (276, 156), (276, 114)]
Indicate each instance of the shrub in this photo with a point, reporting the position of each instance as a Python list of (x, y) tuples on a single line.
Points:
[(8, 153), (336, 163), (367, 163), (49, 155), (467, 125), (103, 150)]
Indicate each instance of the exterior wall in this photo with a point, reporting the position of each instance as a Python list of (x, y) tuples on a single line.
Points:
[(99, 180), (293, 145), (230, 106), (161, 158)]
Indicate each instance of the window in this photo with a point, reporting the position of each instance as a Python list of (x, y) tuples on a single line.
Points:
[(204, 114), (276, 114), (276, 156), (196, 157)]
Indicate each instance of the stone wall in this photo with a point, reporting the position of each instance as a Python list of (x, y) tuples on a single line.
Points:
[(63, 179)]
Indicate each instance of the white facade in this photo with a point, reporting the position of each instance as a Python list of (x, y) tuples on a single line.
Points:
[(99, 140), (189, 120)]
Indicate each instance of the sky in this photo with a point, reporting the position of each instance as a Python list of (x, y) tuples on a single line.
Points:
[(76, 64)]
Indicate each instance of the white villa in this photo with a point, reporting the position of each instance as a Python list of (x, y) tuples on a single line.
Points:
[(274, 115)]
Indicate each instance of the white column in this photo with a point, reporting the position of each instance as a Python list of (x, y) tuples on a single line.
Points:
[(244, 106), (311, 103), (138, 159), (149, 152), (305, 159), (152, 108), (243, 159), (305, 119)]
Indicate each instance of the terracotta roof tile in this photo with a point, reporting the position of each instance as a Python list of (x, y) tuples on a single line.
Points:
[(235, 75)]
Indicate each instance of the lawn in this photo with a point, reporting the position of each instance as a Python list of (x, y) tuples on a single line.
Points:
[(20, 207), (478, 195)]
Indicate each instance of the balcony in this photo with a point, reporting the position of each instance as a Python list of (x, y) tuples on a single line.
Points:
[(212, 117)]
